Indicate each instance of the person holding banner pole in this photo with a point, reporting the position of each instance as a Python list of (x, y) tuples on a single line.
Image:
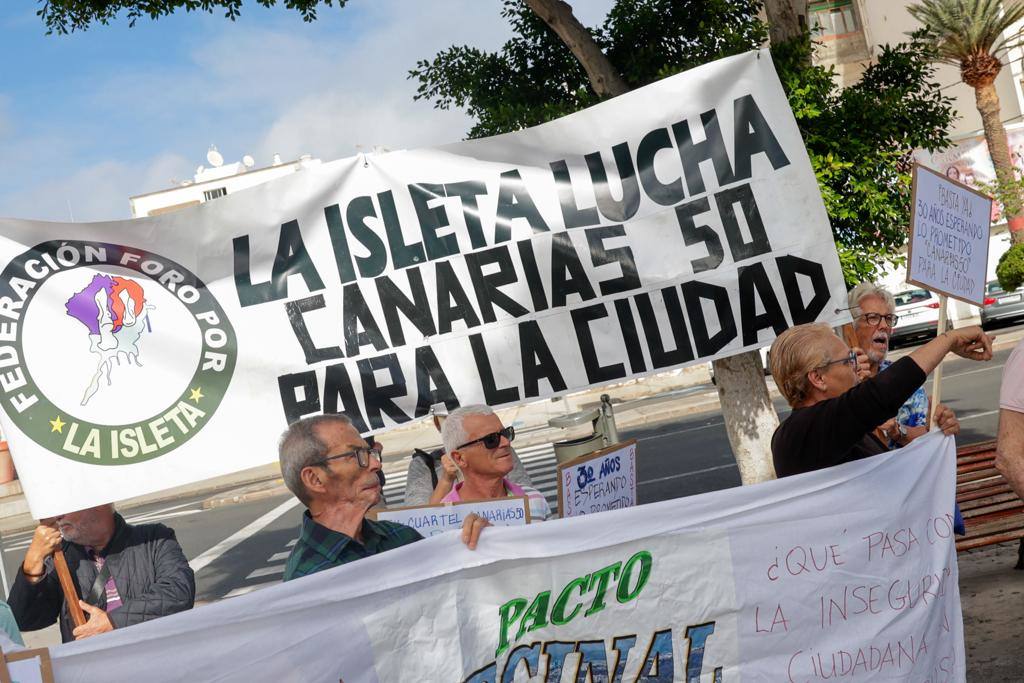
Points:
[(334, 472), (482, 448), (834, 413), (1010, 443), (126, 574)]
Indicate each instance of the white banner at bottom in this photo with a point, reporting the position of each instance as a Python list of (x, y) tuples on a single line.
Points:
[(846, 574)]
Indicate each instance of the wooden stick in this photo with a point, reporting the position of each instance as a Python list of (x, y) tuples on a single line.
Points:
[(68, 586), (937, 375)]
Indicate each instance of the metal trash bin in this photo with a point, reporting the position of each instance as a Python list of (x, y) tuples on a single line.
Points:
[(604, 432)]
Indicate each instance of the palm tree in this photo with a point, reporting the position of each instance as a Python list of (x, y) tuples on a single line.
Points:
[(971, 34)]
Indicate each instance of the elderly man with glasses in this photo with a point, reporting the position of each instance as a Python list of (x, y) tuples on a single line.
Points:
[(482, 448), (874, 317), (332, 470)]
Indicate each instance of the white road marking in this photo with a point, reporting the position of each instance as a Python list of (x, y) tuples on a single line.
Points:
[(266, 571), (291, 543), (974, 415), (249, 589), (277, 557), (157, 513), (687, 474), (242, 534)]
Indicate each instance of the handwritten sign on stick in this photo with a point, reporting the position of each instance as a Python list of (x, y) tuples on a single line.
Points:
[(604, 480), (948, 251), (430, 520), (29, 666)]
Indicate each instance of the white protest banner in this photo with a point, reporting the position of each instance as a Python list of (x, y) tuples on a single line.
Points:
[(949, 237), (605, 480), (842, 574), (673, 225), (431, 520)]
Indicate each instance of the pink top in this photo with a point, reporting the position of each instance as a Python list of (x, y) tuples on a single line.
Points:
[(539, 508), (1011, 394)]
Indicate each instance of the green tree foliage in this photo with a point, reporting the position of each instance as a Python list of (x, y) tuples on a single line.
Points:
[(66, 16), (535, 78), (859, 139), (1010, 269)]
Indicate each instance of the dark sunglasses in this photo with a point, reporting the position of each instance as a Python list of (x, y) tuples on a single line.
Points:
[(492, 440), (362, 456)]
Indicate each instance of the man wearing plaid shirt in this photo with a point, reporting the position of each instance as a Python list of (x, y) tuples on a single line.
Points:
[(330, 468)]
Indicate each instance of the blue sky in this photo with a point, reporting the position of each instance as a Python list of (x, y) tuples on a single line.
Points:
[(89, 119)]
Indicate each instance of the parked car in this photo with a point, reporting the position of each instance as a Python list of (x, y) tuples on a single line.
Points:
[(918, 313), (1001, 306)]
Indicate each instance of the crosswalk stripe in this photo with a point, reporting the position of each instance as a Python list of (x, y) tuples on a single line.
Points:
[(266, 571), (248, 589), (277, 557)]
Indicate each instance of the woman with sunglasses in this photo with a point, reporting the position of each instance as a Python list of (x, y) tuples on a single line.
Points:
[(834, 414), (482, 448)]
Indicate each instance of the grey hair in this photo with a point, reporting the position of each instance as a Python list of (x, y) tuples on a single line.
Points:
[(300, 447), (453, 431), (866, 289)]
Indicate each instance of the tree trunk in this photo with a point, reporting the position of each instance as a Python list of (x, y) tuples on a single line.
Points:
[(750, 418), (558, 15), (783, 24), (998, 148)]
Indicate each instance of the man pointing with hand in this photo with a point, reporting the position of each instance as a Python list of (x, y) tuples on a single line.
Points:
[(125, 574)]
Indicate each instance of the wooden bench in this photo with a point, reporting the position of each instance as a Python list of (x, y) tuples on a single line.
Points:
[(992, 512)]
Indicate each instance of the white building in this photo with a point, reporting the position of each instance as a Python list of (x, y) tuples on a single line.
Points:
[(218, 180), (851, 33)]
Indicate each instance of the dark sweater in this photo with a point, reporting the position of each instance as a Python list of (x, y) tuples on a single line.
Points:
[(839, 430)]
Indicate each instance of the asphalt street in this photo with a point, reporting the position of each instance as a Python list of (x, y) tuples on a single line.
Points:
[(239, 548)]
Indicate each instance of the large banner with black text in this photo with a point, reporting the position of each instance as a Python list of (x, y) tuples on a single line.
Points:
[(842, 574), (674, 225)]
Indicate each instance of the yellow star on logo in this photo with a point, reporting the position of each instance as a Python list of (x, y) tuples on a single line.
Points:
[(57, 425), (197, 394)]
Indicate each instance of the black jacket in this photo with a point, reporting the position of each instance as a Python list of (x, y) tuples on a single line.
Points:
[(839, 430), (148, 567)]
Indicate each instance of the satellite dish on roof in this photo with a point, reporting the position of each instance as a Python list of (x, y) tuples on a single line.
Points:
[(248, 161), (214, 157)]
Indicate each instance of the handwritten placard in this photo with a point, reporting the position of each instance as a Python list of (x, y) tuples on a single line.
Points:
[(948, 250), (604, 480), (431, 520), (29, 666)]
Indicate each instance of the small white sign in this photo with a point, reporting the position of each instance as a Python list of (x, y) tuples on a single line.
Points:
[(948, 251), (430, 520), (605, 480)]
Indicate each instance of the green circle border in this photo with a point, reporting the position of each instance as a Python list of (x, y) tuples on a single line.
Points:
[(35, 421)]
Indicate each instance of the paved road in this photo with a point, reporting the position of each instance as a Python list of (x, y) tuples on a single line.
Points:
[(240, 548)]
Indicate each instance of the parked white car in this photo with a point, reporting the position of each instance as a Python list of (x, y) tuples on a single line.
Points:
[(918, 313)]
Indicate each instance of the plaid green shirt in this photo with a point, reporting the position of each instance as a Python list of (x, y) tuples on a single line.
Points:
[(320, 548)]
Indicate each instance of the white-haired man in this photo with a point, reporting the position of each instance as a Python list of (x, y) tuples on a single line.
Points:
[(331, 468), (481, 446), (874, 317)]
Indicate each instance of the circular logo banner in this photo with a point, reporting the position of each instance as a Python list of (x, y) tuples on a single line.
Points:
[(110, 355)]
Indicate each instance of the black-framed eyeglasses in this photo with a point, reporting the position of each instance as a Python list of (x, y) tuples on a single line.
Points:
[(874, 319), (362, 456), (850, 359), (492, 440)]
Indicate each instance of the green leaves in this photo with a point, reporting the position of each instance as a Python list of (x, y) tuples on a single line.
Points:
[(1010, 270), (860, 141)]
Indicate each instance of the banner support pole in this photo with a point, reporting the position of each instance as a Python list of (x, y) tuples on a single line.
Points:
[(937, 375), (68, 586)]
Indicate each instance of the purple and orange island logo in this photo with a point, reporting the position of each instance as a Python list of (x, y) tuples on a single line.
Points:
[(115, 312), (127, 411)]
